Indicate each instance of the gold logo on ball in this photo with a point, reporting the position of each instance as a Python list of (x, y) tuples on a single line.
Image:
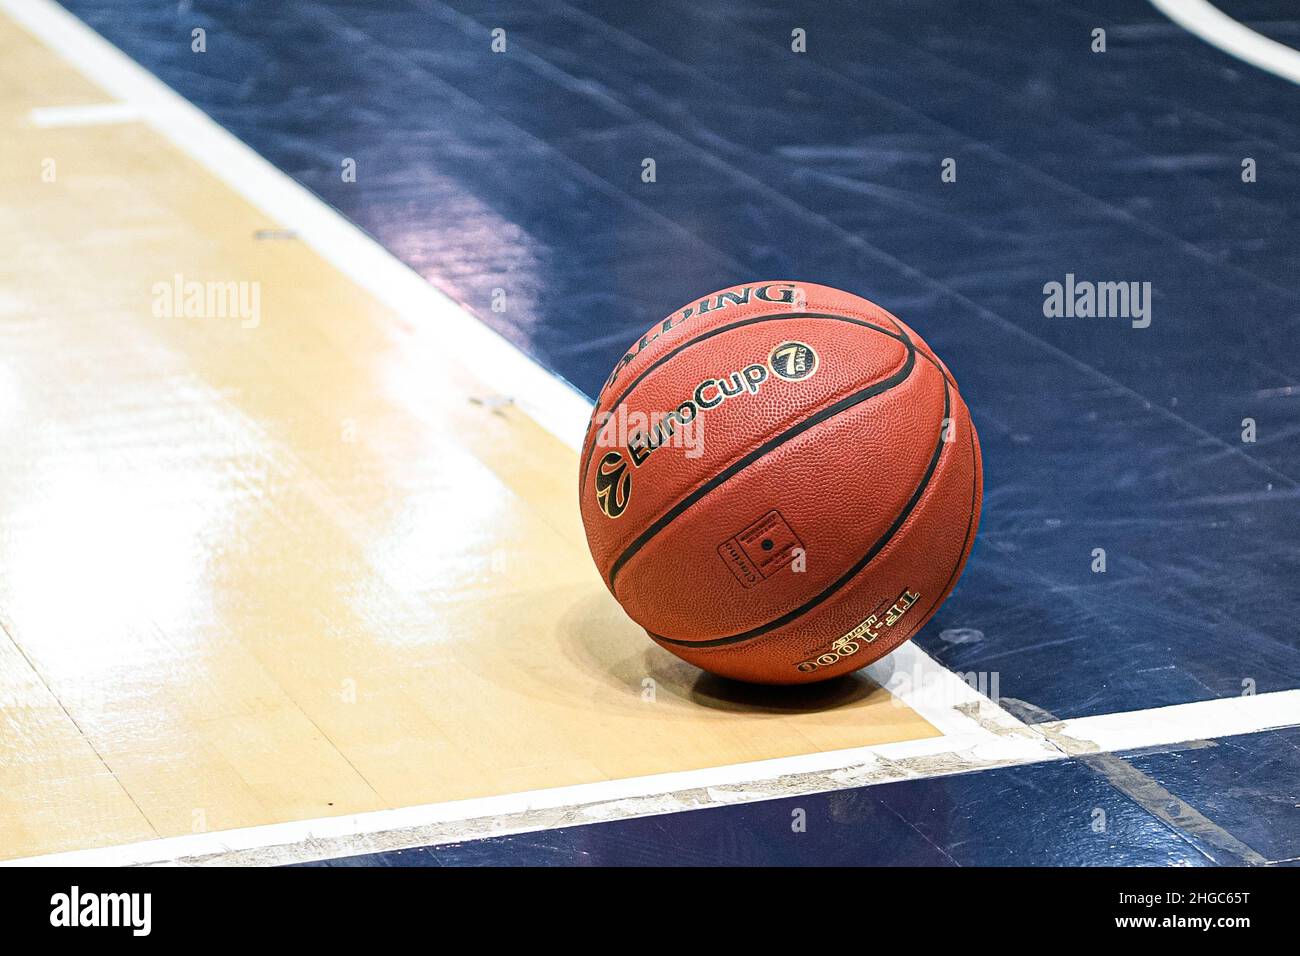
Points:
[(613, 485), (793, 361), (865, 633)]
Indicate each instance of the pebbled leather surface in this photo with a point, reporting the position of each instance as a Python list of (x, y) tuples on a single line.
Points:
[(874, 480), (851, 359)]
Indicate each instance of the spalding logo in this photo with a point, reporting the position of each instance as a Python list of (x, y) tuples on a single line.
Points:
[(613, 485)]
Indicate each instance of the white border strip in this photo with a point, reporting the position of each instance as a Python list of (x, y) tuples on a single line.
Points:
[(1218, 29), (553, 403), (1201, 720), (457, 821)]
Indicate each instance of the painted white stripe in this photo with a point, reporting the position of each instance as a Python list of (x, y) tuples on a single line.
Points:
[(1218, 29), (435, 824), (1201, 720), (943, 698), (461, 820), (554, 404), (93, 114)]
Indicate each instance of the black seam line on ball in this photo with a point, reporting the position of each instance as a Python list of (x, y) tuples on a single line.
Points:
[(844, 579), (897, 335), (974, 482), (740, 464)]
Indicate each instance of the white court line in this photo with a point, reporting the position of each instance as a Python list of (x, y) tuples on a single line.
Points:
[(553, 403), (461, 820), (1218, 29), (1201, 720), (93, 114), (978, 733)]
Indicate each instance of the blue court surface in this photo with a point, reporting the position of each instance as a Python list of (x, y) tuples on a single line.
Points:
[(1170, 439), (1061, 814)]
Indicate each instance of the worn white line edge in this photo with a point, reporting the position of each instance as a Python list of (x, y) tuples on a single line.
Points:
[(1201, 720), (457, 821), (553, 403), (1236, 39)]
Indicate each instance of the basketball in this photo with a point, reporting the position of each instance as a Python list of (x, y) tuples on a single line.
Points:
[(780, 482)]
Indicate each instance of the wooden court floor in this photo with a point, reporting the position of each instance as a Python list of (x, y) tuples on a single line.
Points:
[(302, 563)]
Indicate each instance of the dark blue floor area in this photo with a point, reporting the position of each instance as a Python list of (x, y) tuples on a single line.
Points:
[(522, 171), (1058, 814)]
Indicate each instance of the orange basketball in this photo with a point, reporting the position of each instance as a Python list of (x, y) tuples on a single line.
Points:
[(780, 482)]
